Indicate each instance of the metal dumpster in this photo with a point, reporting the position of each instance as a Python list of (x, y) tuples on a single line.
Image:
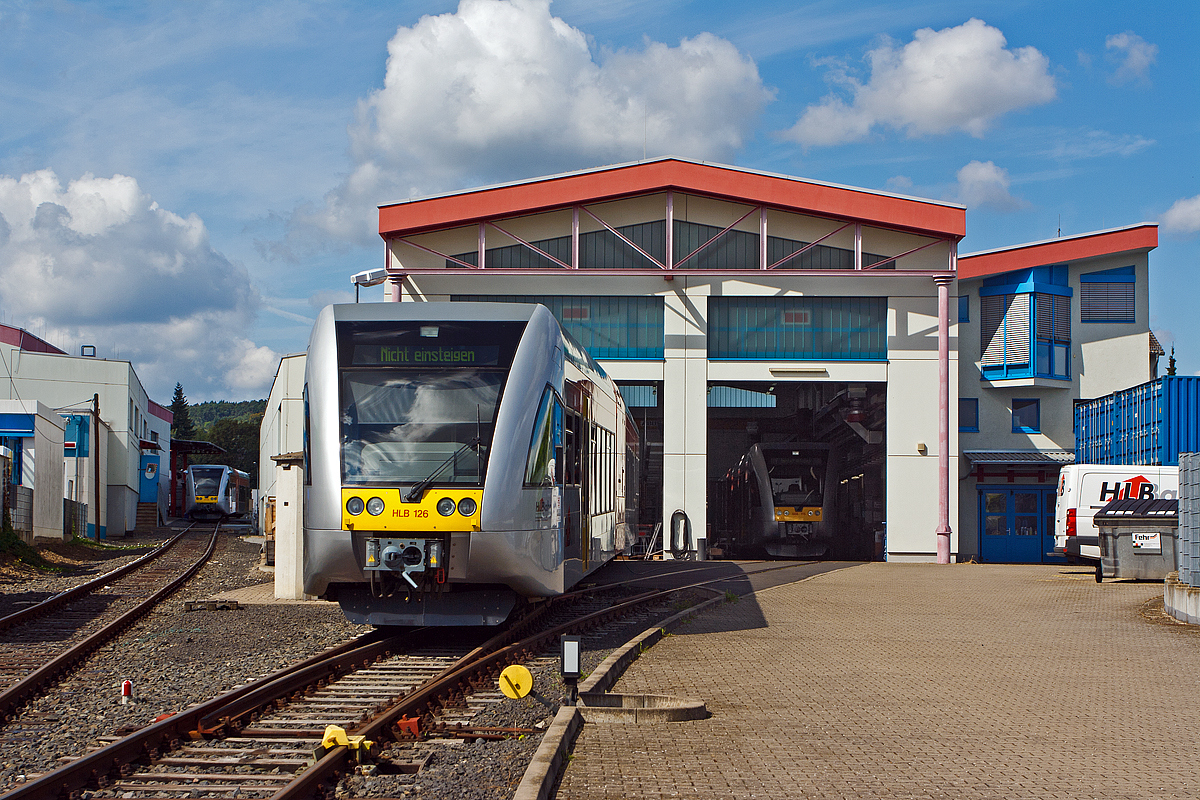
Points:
[(1138, 539)]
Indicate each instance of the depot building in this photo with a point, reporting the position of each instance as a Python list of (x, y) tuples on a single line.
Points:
[(737, 308), (733, 308)]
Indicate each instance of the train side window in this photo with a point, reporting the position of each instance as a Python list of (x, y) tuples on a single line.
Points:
[(306, 446), (538, 465)]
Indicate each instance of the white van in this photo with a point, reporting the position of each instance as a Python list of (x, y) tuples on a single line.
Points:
[(1084, 489)]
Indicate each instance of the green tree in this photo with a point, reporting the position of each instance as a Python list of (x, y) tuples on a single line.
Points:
[(181, 422), (239, 438)]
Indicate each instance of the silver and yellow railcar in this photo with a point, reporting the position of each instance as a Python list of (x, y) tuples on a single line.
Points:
[(215, 491), (779, 502), (458, 456)]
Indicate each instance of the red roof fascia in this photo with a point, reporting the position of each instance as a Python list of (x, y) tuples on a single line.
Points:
[(27, 341), (656, 176), (1057, 251), (161, 412)]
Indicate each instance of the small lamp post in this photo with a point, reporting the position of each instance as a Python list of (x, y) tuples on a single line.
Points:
[(569, 664), (368, 277)]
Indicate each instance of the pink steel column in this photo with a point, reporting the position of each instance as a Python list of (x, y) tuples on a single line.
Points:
[(670, 259), (943, 529)]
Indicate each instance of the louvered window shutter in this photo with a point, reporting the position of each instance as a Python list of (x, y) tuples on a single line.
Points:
[(1106, 302)]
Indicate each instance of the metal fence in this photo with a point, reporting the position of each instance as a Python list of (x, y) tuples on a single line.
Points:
[(1189, 519), (21, 510), (74, 519)]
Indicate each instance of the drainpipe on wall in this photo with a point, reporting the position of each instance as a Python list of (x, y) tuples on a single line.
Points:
[(943, 529)]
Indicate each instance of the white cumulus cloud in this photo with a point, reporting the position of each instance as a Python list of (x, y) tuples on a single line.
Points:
[(1183, 217), (959, 78), (504, 90), (983, 184), (99, 262), (1133, 55)]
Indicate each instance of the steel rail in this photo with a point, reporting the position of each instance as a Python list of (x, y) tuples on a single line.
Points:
[(66, 596), (32, 684), (93, 768), (308, 783), (228, 713)]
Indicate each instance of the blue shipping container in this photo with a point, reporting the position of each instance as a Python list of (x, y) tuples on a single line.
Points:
[(1151, 423)]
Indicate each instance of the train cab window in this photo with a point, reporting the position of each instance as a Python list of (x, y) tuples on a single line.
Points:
[(415, 395), (207, 481)]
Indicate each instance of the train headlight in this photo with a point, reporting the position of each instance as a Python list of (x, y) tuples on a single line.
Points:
[(445, 506), (466, 506), (374, 506), (355, 506)]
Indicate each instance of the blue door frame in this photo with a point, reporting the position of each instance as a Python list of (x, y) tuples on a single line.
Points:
[(1016, 524)]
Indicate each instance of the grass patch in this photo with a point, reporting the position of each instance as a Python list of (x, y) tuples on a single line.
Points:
[(14, 547), (92, 543)]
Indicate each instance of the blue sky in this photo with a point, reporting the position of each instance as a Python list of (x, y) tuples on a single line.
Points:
[(185, 184)]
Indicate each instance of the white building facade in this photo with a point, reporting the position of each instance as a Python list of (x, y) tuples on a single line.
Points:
[(1041, 325), (134, 431)]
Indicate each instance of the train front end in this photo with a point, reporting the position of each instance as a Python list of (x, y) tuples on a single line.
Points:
[(410, 412)]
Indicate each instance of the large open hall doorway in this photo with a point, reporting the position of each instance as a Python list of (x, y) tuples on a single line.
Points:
[(796, 469)]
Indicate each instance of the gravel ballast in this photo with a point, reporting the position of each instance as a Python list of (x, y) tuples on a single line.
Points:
[(176, 658), (173, 658)]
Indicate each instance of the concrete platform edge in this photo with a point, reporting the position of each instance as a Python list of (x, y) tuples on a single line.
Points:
[(541, 777), (1180, 600)]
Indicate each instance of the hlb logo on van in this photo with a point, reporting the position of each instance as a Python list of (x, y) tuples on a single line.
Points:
[(1133, 489)]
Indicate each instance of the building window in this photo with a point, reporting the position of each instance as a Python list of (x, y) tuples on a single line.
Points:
[(604, 249), (798, 328), (964, 308), (1026, 416), (607, 327), (968, 415), (1053, 335), (1107, 296), (1025, 325)]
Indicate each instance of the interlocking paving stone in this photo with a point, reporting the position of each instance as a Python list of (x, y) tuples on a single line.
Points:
[(915, 681)]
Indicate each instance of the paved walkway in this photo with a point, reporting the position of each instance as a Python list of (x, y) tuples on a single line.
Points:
[(915, 681)]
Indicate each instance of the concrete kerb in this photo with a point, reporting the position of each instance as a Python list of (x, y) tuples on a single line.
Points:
[(541, 777), (1180, 600)]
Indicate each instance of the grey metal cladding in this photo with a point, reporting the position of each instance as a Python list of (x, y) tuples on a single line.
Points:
[(538, 363)]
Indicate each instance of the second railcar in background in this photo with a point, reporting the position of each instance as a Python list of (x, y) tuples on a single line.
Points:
[(214, 491), (779, 502), (459, 456)]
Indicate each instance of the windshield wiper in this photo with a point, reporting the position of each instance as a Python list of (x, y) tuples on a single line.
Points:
[(418, 489)]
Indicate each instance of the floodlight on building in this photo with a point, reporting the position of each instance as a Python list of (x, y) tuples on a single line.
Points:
[(368, 277)]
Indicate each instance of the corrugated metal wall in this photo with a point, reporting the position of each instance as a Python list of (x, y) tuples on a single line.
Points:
[(1189, 519), (1151, 423)]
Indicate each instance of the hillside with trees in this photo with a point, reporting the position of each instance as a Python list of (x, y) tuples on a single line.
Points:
[(231, 426)]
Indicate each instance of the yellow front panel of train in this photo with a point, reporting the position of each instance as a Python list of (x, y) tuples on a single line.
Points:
[(202, 499), (423, 516), (793, 514)]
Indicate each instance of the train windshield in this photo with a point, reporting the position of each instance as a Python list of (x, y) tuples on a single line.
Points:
[(797, 476), (207, 480), (414, 395)]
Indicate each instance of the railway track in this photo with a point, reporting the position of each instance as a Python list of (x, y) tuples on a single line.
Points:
[(268, 738), (41, 644)]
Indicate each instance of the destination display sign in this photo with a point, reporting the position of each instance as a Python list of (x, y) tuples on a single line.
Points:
[(421, 355)]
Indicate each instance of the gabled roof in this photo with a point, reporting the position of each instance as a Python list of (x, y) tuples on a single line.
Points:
[(929, 217), (1133, 238)]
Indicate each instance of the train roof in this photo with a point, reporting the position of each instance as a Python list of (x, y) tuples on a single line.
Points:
[(433, 311)]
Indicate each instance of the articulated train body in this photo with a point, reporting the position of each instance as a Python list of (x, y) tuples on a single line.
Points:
[(779, 502), (459, 455), (214, 491)]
